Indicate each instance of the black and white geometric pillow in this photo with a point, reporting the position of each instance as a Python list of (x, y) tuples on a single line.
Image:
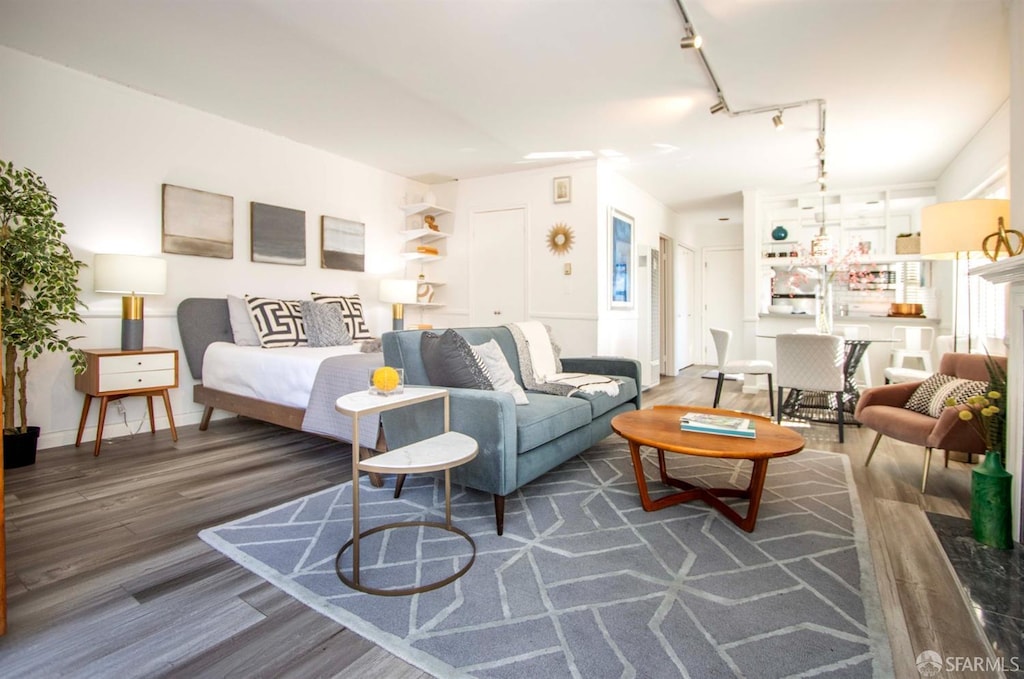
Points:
[(931, 395), (278, 322), (351, 313)]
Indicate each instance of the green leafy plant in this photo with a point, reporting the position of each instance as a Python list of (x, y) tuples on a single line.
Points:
[(38, 284), (987, 413)]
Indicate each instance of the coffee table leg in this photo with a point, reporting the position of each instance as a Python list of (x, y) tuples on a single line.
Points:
[(752, 493), (641, 482)]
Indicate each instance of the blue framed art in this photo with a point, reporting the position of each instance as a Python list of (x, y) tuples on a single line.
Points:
[(620, 255)]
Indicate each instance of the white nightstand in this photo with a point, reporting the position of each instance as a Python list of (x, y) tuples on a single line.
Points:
[(113, 373), (437, 453)]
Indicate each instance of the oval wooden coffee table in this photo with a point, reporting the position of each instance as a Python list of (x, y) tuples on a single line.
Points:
[(658, 428)]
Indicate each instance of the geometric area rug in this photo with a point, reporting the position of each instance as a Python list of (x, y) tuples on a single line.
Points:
[(584, 583)]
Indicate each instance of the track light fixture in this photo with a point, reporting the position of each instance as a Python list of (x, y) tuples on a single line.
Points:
[(694, 41), (777, 121), (718, 107)]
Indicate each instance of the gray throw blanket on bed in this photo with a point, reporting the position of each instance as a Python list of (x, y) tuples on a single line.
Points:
[(336, 377)]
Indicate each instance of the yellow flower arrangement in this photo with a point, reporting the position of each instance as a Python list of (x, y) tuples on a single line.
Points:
[(986, 412)]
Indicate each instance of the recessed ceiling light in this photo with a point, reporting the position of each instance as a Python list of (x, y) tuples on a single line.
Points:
[(723, 219)]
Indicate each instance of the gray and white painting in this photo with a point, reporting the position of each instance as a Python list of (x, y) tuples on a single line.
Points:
[(343, 244), (198, 222), (278, 235)]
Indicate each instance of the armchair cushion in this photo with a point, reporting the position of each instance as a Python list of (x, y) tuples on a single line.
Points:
[(931, 395)]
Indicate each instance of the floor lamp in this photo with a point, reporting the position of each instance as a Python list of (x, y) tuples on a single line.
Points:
[(956, 230)]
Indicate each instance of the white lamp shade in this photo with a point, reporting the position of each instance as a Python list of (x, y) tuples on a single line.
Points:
[(960, 226), (129, 274), (397, 291)]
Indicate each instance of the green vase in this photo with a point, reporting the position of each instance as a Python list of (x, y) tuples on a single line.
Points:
[(990, 502)]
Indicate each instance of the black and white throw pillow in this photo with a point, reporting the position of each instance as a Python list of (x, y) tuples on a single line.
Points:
[(931, 395), (451, 362), (351, 313), (278, 322)]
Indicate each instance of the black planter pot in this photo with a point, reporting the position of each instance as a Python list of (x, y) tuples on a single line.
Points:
[(20, 448)]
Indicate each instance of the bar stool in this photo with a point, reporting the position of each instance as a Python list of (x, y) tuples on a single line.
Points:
[(913, 341)]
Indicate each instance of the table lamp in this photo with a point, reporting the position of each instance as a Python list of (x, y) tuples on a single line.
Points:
[(398, 292), (949, 230), (131, 276)]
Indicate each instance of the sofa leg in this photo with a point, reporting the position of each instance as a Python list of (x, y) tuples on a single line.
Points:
[(927, 466), (399, 482), (878, 437), (499, 512)]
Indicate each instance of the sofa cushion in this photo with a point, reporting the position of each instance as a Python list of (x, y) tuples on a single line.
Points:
[(547, 417), (450, 361), (600, 403), (931, 395), (499, 371)]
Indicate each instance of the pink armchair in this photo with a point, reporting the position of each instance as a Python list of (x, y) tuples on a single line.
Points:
[(881, 408)]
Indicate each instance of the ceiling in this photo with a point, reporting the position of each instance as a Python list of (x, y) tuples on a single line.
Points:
[(442, 89)]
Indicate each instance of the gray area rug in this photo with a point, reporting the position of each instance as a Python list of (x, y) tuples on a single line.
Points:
[(584, 583)]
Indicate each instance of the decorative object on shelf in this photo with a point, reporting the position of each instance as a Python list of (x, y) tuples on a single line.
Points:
[(278, 234), (342, 244), (426, 250), (38, 292), (431, 223), (424, 293), (780, 233), (398, 292), (131, 276), (908, 244), (991, 516), (386, 381), (821, 244), (562, 187), (560, 239), (197, 222)]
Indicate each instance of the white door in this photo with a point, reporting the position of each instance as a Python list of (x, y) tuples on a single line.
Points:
[(498, 267), (684, 281), (723, 296)]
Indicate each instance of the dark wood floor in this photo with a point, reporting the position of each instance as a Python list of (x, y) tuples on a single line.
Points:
[(107, 577)]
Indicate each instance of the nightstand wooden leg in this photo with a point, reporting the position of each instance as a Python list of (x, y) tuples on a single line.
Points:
[(99, 426), (81, 422), (152, 417), (170, 415)]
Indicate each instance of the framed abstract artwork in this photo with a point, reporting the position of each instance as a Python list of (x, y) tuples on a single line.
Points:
[(342, 244), (620, 256), (197, 222), (278, 234)]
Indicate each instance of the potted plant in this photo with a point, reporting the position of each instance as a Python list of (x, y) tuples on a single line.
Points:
[(38, 290)]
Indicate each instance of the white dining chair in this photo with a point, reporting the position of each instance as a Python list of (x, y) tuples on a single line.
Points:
[(912, 341), (808, 362), (722, 340), (894, 375), (858, 332)]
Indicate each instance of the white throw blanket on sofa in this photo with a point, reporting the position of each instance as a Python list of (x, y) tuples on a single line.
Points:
[(541, 368)]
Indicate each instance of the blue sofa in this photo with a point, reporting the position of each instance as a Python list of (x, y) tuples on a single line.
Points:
[(517, 443)]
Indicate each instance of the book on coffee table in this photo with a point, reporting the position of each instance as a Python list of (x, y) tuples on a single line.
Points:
[(722, 425)]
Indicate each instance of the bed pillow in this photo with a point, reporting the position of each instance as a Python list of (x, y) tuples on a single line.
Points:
[(351, 312), (930, 396), (325, 326), (242, 328), (451, 362), (278, 322), (500, 372)]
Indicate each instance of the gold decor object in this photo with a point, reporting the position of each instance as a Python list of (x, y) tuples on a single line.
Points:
[(560, 239), (994, 243), (431, 223)]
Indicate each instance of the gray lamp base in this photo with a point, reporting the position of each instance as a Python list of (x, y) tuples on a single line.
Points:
[(398, 324), (131, 334)]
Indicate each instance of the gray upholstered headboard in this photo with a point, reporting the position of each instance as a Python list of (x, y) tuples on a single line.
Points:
[(202, 321)]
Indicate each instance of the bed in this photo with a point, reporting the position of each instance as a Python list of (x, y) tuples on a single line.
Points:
[(293, 387)]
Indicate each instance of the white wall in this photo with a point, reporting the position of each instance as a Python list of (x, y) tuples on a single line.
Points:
[(566, 303), (987, 154), (104, 151)]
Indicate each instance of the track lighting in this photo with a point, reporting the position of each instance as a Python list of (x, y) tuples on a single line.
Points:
[(718, 106), (694, 41), (777, 121)]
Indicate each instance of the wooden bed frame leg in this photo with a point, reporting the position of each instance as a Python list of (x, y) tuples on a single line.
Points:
[(399, 482), (499, 512), (207, 414)]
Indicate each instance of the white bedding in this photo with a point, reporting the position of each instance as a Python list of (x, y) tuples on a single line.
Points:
[(284, 375)]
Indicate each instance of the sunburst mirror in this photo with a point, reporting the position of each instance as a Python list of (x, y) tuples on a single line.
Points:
[(560, 239)]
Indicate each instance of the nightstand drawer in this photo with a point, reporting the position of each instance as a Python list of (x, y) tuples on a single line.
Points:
[(150, 379), (135, 363)]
